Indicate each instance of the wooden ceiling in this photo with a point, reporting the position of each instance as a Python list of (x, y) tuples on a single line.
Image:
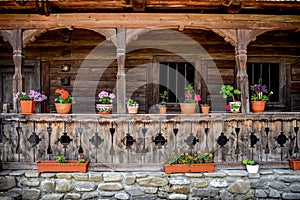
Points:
[(46, 7)]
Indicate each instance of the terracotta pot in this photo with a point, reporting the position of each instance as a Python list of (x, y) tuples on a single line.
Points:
[(104, 108), (53, 166), (163, 110), (258, 106), (235, 106), (133, 108), (181, 168), (188, 108), (63, 108), (205, 109), (27, 107), (294, 164)]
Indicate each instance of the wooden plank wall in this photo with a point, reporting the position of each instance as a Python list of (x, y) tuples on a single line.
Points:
[(77, 49)]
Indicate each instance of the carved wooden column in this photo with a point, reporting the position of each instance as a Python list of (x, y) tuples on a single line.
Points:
[(241, 62), (121, 79), (18, 58)]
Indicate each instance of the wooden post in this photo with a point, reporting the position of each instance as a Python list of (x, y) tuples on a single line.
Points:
[(121, 79), (18, 58), (241, 61)]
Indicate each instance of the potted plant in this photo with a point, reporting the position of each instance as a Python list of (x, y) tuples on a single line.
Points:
[(105, 105), (28, 101), (189, 162), (189, 105), (61, 164), (64, 100), (205, 108), (162, 106), (132, 106), (260, 95), (251, 165), (294, 163), (229, 92)]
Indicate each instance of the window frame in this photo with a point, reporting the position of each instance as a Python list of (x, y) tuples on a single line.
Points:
[(282, 103)]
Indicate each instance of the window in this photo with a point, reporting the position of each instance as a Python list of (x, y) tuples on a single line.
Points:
[(173, 77), (271, 76)]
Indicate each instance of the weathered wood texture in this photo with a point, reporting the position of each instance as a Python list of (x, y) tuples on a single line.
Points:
[(99, 148), (93, 63)]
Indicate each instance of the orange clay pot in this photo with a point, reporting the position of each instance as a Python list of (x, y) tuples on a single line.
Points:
[(181, 168), (63, 108), (27, 107), (53, 166)]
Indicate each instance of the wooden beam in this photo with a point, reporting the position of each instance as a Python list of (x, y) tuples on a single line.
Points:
[(150, 20), (121, 78)]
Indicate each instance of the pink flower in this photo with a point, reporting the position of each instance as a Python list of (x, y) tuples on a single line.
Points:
[(197, 97), (111, 95), (188, 96), (227, 107)]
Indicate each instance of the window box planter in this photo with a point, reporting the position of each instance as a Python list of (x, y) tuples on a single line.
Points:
[(182, 168), (294, 164), (53, 166)]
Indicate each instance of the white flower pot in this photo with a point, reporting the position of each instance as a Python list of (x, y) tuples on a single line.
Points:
[(252, 168)]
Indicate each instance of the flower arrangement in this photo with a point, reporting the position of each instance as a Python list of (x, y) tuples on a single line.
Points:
[(130, 102), (188, 158), (190, 96), (105, 97), (31, 96), (81, 159), (260, 92), (64, 96)]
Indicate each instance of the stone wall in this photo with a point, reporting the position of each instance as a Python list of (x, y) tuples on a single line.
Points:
[(222, 184)]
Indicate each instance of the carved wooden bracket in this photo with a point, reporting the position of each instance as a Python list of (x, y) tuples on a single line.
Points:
[(139, 5), (43, 7), (232, 6)]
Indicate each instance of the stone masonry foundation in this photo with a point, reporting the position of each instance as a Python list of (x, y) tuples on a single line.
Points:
[(222, 184)]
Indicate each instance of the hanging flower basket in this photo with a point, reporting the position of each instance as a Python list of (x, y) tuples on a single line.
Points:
[(294, 164), (27, 106), (185, 168), (53, 166)]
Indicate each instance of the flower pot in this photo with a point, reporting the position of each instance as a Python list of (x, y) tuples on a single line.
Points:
[(27, 107), (205, 109), (63, 108), (294, 164), (252, 168), (258, 106), (133, 108), (104, 108), (182, 168), (188, 108), (235, 106), (53, 166), (163, 110)]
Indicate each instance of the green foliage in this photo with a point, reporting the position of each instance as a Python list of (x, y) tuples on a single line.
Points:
[(188, 158), (61, 159), (249, 162), (164, 95), (229, 91), (130, 101)]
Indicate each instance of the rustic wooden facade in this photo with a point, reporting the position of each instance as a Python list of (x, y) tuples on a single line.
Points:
[(119, 46)]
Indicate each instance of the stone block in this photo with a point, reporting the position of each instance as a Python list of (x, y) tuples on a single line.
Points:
[(152, 181), (7, 182), (218, 183), (95, 177), (32, 194), (48, 186), (32, 174), (177, 196), (295, 187), (224, 194), (122, 196), (129, 179), (259, 193), (112, 177), (107, 194), (149, 190), (73, 196), (289, 178), (194, 175), (85, 186), (53, 197), (274, 193), (64, 185), (237, 173), (180, 189), (64, 175), (200, 183), (17, 173), (215, 174), (48, 175), (179, 181), (80, 176), (90, 195), (204, 192), (280, 186), (29, 182), (134, 190), (239, 187), (110, 186), (291, 196)]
